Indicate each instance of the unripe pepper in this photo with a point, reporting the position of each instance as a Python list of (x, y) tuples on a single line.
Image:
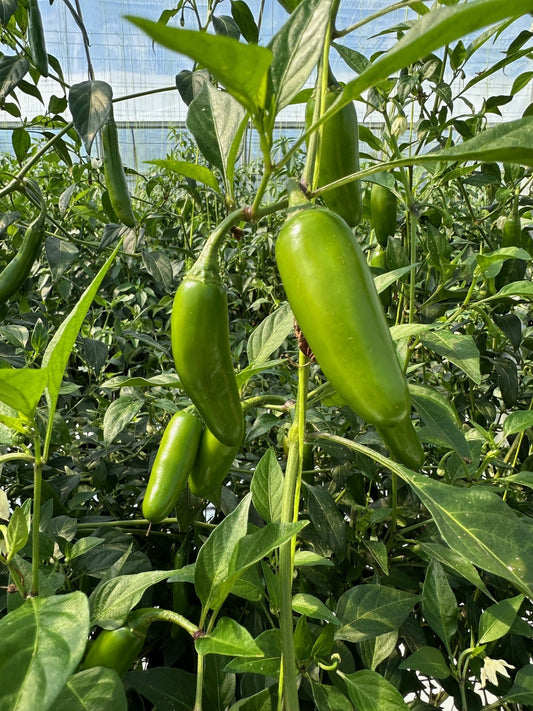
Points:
[(202, 352), (383, 205), (14, 274), (332, 294), (174, 460), (115, 178), (339, 157), (512, 269), (36, 39), (212, 465), (118, 649)]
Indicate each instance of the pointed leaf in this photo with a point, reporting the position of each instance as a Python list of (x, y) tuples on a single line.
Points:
[(90, 103), (428, 661), (367, 611), (12, 70), (7, 8), (517, 421), (215, 556), (480, 526), (296, 49), (439, 604), (311, 606), (440, 419), (42, 644), (498, 619), (112, 600), (270, 335), (522, 689), (327, 519), (92, 690), (229, 638), (22, 388), (267, 487), (193, 171), (240, 68), (370, 691), (458, 348), (455, 562), (119, 415)]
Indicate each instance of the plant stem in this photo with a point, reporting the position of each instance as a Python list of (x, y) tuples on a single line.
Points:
[(199, 683), (36, 517), (288, 695)]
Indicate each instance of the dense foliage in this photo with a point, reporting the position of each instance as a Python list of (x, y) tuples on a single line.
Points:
[(322, 574)]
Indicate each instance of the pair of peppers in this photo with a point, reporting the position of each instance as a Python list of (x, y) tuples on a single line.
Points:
[(202, 355)]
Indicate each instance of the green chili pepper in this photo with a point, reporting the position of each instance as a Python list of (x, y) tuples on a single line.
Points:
[(36, 39), (383, 205), (173, 462), (118, 649), (333, 298), (14, 274), (202, 352), (211, 466), (115, 178), (339, 157)]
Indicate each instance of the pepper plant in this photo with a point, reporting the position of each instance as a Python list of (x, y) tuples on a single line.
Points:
[(198, 510)]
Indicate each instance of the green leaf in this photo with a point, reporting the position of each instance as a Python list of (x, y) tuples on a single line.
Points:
[(245, 20), (327, 519), (42, 644), (58, 351), (498, 619), (168, 688), (240, 68), (522, 689), (22, 388), (265, 700), (305, 558), (214, 558), (12, 71), (435, 29), (428, 661), (165, 380), (517, 421), (522, 289), (296, 49), (90, 103), (458, 348), (217, 122), (7, 8), (478, 525), (523, 478), (84, 545), (456, 562), (376, 650), (93, 690), (112, 600), (383, 281), (229, 638), (267, 487), (329, 698), (439, 604), (268, 665), (270, 335), (194, 171), (17, 532), (486, 262), (369, 691), (440, 419), (159, 266), (119, 415), (311, 606), (367, 611)]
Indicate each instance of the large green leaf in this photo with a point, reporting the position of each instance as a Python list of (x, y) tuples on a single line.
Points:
[(93, 690), (112, 600), (327, 519), (369, 691), (296, 49), (194, 171), (367, 611), (267, 487), (7, 8), (217, 121), (22, 388), (90, 103), (240, 68), (58, 351), (440, 419), (497, 620), (476, 523), (270, 335), (42, 644), (229, 638), (458, 348), (12, 71), (439, 604)]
